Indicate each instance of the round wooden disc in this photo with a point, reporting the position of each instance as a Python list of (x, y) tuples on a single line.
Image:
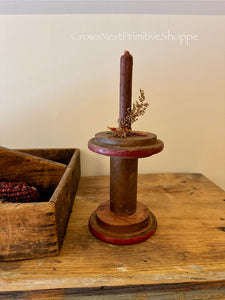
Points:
[(122, 230), (107, 138), (128, 152)]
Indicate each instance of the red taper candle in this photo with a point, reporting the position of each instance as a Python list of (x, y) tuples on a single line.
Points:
[(126, 65)]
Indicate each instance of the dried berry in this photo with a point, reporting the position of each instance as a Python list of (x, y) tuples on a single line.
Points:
[(17, 192)]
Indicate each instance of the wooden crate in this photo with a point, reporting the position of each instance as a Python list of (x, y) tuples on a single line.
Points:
[(31, 230)]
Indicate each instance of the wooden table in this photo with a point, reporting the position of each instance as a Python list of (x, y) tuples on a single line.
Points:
[(185, 258)]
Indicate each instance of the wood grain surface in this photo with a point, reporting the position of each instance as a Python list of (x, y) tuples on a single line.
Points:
[(54, 154), (36, 171), (63, 196), (27, 230), (186, 255)]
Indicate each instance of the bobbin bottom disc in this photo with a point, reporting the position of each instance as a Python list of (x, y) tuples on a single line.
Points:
[(122, 230)]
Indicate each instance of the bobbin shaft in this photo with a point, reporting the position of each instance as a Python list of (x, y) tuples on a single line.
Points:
[(123, 185)]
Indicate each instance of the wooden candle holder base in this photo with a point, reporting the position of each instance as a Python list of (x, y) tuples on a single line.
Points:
[(122, 230)]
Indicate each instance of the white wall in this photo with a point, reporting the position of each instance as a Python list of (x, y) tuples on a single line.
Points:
[(58, 92)]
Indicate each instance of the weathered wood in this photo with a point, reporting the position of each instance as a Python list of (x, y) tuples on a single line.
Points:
[(185, 257), (122, 230), (63, 196), (202, 291), (107, 138), (127, 152), (123, 185), (54, 154), (29, 230), (15, 165)]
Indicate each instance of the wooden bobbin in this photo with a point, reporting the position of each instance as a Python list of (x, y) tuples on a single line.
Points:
[(123, 220)]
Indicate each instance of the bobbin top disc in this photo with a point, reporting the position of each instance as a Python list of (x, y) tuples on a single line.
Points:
[(135, 146), (107, 138)]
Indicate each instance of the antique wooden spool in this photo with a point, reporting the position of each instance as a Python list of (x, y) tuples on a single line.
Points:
[(123, 220)]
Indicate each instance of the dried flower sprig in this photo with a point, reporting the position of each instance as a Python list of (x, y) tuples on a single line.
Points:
[(132, 115)]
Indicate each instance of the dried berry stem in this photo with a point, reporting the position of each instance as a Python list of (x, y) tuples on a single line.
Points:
[(132, 115)]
